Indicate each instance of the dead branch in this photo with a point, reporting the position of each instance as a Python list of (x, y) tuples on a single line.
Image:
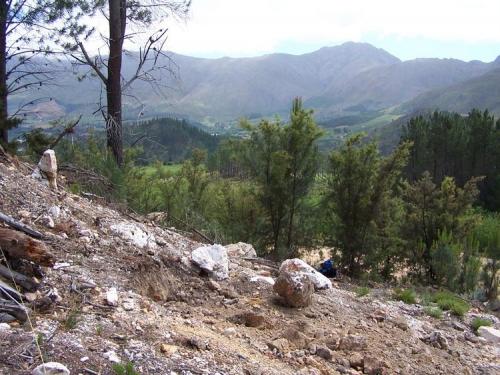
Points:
[(8, 292), (67, 130), (20, 226), (26, 282), (14, 309), (20, 246)]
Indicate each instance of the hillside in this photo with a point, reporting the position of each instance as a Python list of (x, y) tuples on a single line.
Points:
[(480, 92), (167, 139), (124, 289), (345, 80)]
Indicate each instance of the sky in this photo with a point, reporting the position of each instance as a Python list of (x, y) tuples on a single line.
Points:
[(462, 29)]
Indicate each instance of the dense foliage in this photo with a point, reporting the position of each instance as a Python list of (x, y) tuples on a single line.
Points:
[(379, 216)]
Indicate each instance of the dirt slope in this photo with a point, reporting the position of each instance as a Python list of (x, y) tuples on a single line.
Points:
[(171, 319)]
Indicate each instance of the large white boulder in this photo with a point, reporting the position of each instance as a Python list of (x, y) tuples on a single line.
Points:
[(134, 234), (490, 334), (50, 368), (297, 265), (213, 259)]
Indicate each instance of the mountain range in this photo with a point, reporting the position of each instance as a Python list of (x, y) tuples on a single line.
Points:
[(352, 79)]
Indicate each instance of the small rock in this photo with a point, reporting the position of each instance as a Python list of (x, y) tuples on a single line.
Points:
[(128, 305), (54, 212), (280, 345), (198, 343), (295, 288), (112, 356), (112, 297), (48, 221), (212, 259), (401, 323), (253, 320), (490, 334), (168, 349), (264, 279), (241, 250), (213, 285), (437, 340), (4, 327), (356, 361), (50, 368), (24, 214), (471, 337), (231, 331), (458, 326), (372, 366), (323, 352), (353, 342)]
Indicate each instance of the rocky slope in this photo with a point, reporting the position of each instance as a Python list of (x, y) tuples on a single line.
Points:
[(126, 290)]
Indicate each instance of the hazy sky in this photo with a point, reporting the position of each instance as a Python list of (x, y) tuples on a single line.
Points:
[(464, 29)]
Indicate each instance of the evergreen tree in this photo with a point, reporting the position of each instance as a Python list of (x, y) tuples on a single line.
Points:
[(360, 191)]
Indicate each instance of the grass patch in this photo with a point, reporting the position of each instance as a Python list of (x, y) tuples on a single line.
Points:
[(406, 295), (362, 291), (435, 312), (480, 322), (449, 302), (72, 319), (124, 369)]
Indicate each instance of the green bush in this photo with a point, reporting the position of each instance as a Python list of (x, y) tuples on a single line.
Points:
[(435, 312), (406, 295), (124, 369), (480, 322), (449, 302), (362, 291)]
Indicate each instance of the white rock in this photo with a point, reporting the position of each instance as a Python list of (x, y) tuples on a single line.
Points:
[(241, 250), (112, 356), (212, 259), (231, 331), (4, 327), (112, 297), (134, 234), (51, 368), (59, 265), (84, 359), (266, 279), (48, 165), (48, 162), (297, 265), (490, 334), (55, 212)]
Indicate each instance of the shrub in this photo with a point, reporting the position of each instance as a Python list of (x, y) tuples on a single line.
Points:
[(124, 369), (406, 295), (480, 322), (448, 301), (362, 291), (435, 312)]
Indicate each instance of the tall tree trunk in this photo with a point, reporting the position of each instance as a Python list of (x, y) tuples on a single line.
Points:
[(117, 24), (4, 132)]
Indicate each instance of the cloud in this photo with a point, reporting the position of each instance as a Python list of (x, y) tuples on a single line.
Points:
[(245, 28)]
